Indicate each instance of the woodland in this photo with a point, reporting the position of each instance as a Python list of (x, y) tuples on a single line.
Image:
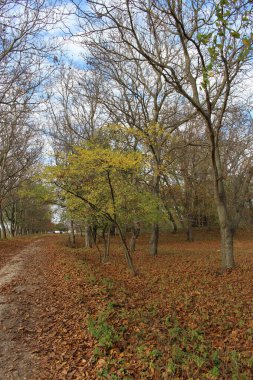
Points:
[(126, 143)]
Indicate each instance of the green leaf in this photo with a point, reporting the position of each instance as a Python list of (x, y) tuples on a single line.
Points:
[(246, 42), (235, 34)]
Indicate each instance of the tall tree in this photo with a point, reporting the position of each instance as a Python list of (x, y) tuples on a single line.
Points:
[(202, 50)]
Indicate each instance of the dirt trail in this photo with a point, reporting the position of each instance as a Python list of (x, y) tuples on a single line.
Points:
[(17, 318)]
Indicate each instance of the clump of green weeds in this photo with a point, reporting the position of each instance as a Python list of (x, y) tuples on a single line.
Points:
[(101, 329), (191, 355)]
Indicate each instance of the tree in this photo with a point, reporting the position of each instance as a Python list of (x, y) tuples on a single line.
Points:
[(141, 105), (102, 180), (25, 63), (202, 50), (18, 152), (73, 117), (24, 50)]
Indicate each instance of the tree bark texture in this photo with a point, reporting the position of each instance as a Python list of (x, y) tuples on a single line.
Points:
[(154, 239)]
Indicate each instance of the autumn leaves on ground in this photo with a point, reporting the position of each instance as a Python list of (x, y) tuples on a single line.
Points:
[(180, 318)]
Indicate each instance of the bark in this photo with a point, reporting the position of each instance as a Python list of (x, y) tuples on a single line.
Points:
[(155, 228), (127, 253), (226, 231), (94, 233), (154, 239), (107, 240), (3, 229), (72, 238), (227, 247), (113, 230), (108, 243), (172, 220), (189, 232), (13, 219), (135, 234), (88, 237)]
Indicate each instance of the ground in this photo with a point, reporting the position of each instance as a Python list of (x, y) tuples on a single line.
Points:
[(66, 316)]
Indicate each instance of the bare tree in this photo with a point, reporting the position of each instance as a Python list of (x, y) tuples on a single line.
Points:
[(201, 49), (74, 115), (142, 105), (19, 151)]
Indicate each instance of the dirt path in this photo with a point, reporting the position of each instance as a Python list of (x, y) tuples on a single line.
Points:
[(17, 318)]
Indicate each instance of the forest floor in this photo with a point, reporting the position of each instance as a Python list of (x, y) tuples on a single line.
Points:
[(64, 315)]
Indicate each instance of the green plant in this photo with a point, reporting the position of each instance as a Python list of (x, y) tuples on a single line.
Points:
[(215, 371), (171, 367), (103, 332), (91, 279), (96, 354), (107, 283), (155, 354)]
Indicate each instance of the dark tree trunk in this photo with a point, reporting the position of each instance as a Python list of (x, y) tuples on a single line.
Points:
[(127, 253), (94, 233), (155, 228), (3, 228), (154, 239), (189, 231), (113, 230), (135, 234), (172, 220)]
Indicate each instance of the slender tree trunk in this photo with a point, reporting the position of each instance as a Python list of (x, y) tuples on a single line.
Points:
[(94, 233), (107, 242), (88, 237), (135, 234), (127, 253), (172, 220), (227, 237), (226, 231), (154, 239), (4, 234), (113, 230), (189, 231), (72, 238), (155, 227)]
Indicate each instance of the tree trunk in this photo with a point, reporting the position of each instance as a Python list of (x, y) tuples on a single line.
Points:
[(155, 228), (94, 233), (113, 230), (135, 234), (108, 243), (172, 220), (189, 231), (106, 235), (72, 238), (227, 252), (88, 237), (4, 234), (127, 253), (228, 261), (154, 239)]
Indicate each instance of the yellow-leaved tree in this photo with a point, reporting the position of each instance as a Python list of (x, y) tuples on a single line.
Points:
[(104, 182)]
